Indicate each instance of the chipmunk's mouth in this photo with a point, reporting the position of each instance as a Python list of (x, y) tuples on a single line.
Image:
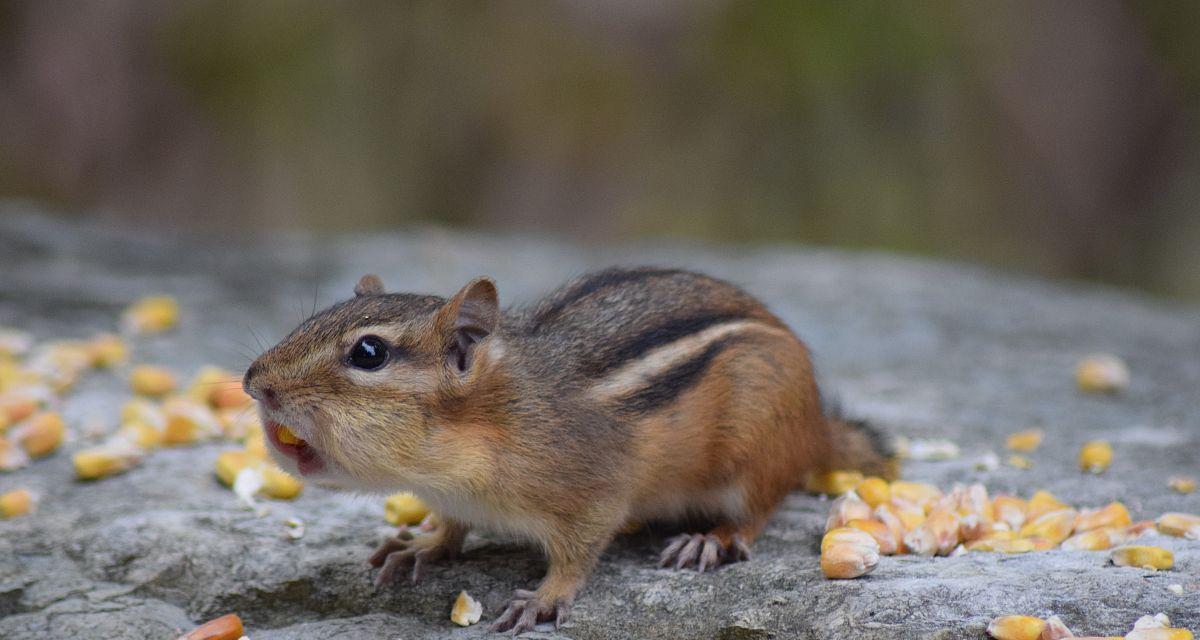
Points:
[(308, 461)]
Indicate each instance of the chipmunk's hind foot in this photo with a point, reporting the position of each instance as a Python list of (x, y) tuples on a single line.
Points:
[(527, 609), (704, 551)]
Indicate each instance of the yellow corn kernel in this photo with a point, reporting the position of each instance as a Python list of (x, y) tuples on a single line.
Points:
[(1182, 484), (466, 610), (1114, 514), (848, 553), (143, 410), (202, 384), (16, 503), (911, 515), (404, 508), (238, 424), (1139, 528), (1102, 373), (227, 627), (141, 434), (153, 314), (919, 493), (230, 395), (874, 491), (106, 351), (1098, 539), (1002, 545), (279, 484), (1025, 441), (188, 421), (835, 483), (41, 434), (1018, 461), (1009, 510), (1055, 630), (1143, 556), (99, 462), (1095, 456), (1159, 634), (885, 514), (1180, 525), (846, 508), (887, 542), (1055, 526), (229, 464), (1041, 503), (944, 524), (151, 381), (287, 436), (1016, 628), (17, 406), (218, 388)]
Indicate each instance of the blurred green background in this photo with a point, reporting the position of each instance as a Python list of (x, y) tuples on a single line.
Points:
[(1052, 137)]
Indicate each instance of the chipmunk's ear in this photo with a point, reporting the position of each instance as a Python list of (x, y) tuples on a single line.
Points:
[(368, 285), (470, 316)]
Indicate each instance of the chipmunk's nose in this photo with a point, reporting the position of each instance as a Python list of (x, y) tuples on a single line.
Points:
[(259, 390)]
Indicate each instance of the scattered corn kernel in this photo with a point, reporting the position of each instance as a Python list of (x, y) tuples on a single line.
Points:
[(256, 445), (148, 380), (1010, 510), (153, 314), (921, 541), (141, 434), (1055, 526), (1025, 441), (16, 503), (1182, 484), (1180, 525), (228, 627), (835, 483), (1114, 514), (229, 464), (918, 493), (1055, 630), (1143, 556), (1002, 545), (1016, 628), (188, 421), (932, 450), (887, 541), (1018, 461), (846, 508), (874, 491), (41, 434), (1157, 627), (102, 461), (106, 351), (1102, 373), (466, 610), (143, 410), (1099, 539), (18, 406), (404, 508), (1041, 503), (279, 484), (1095, 456), (848, 553)]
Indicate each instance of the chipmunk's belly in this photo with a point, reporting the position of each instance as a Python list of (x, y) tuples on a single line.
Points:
[(728, 502), (499, 519)]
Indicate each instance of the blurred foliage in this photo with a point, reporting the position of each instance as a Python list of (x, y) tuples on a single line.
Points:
[(1057, 138)]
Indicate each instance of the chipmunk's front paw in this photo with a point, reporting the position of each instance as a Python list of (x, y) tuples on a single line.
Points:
[(404, 550), (527, 609)]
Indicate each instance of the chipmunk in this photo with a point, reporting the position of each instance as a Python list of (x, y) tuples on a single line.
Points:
[(627, 395)]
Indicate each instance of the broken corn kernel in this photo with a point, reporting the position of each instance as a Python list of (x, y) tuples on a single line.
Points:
[(41, 434), (1095, 456), (1180, 525), (151, 381), (229, 464), (846, 508), (1016, 628), (102, 461), (874, 491), (835, 483), (1143, 556), (286, 436), (15, 503), (1102, 373), (848, 553), (1114, 514), (1055, 526), (887, 541), (1025, 441), (404, 508), (106, 351), (466, 610), (228, 627), (1182, 484), (1041, 503), (153, 314), (280, 485)]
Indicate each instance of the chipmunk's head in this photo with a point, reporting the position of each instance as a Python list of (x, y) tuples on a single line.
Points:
[(377, 392)]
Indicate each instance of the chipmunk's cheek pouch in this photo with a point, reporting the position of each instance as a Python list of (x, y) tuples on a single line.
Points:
[(308, 461)]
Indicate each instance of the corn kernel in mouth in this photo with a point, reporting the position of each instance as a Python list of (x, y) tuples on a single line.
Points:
[(286, 436)]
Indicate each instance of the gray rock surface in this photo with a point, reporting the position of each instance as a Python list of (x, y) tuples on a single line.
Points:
[(926, 349)]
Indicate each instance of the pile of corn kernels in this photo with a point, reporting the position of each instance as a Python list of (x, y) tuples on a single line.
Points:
[(1156, 627)]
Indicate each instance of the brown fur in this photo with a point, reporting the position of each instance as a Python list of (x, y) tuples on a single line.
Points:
[(629, 394)]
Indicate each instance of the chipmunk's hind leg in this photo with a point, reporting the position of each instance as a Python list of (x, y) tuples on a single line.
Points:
[(724, 544)]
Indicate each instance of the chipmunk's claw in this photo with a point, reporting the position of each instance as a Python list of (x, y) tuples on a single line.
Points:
[(402, 551), (702, 552), (526, 610)]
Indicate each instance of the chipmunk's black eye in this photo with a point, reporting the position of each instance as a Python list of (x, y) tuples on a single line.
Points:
[(370, 352)]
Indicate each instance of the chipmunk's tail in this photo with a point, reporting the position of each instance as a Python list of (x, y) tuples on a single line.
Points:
[(860, 446)]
